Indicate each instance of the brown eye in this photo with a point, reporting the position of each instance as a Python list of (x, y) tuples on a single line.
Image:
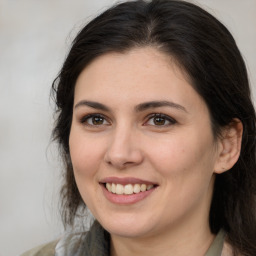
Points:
[(97, 120), (160, 120), (94, 120)]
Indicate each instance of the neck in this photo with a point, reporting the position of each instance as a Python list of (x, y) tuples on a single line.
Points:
[(190, 242)]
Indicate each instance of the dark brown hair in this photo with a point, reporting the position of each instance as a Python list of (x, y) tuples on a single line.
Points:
[(205, 49)]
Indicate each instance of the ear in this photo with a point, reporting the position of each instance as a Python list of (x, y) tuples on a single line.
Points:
[(229, 146)]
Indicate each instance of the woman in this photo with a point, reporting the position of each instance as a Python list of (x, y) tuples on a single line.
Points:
[(157, 131)]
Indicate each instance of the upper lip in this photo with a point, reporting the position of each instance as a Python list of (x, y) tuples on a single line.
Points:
[(126, 180)]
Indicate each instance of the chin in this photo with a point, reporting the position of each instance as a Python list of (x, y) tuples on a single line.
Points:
[(127, 226)]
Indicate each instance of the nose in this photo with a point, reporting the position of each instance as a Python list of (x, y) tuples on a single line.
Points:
[(123, 150)]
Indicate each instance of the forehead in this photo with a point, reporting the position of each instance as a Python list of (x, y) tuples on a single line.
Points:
[(142, 74)]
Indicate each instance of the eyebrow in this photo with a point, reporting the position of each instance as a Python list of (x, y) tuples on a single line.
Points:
[(157, 104), (139, 108), (92, 104)]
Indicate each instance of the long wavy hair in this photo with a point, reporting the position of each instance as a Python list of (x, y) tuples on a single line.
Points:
[(204, 48)]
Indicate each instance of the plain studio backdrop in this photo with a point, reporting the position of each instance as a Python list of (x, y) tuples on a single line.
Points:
[(34, 39)]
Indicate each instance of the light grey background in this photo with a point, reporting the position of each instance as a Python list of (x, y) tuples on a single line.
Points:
[(34, 39)]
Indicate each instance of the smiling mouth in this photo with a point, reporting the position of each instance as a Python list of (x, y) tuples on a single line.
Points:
[(128, 189)]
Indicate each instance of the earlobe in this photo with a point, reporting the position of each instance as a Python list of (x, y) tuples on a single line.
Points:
[(229, 146)]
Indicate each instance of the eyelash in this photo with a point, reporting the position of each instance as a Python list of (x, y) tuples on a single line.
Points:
[(162, 116), (84, 120)]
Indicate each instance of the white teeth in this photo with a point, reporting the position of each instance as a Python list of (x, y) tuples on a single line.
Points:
[(127, 189), (149, 187), (113, 188), (108, 186), (136, 188), (119, 189), (143, 187)]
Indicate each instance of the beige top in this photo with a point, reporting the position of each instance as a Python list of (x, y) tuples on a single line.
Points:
[(219, 246), (96, 243)]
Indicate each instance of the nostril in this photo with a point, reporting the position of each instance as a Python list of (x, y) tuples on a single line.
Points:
[(122, 154)]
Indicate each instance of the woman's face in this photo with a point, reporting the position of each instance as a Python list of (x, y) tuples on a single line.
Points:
[(139, 125)]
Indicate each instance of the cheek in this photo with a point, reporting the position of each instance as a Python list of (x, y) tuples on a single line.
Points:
[(179, 156), (185, 167), (85, 153)]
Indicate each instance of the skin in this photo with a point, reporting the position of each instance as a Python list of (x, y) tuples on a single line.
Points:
[(180, 155)]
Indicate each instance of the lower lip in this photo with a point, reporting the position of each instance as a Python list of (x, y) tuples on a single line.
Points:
[(126, 199)]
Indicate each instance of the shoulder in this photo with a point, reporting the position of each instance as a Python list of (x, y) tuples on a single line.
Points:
[(66, 245), (93, 242), (42, 250)]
